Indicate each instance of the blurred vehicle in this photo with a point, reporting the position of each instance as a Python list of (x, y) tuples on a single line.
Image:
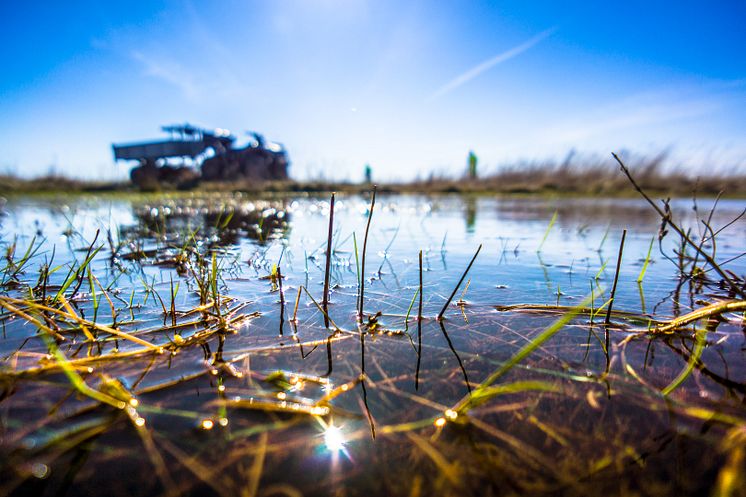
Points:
[(192, 154)]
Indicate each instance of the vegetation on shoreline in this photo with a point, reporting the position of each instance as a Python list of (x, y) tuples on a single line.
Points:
[(582, 177)]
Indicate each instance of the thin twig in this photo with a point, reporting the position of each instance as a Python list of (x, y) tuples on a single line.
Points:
[(455, 289), (362, 265), (325, 299), (282, 299), (419, 332), (736, 289), (616, 279)]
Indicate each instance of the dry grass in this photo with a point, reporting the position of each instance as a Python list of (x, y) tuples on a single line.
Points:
[(586, 176)]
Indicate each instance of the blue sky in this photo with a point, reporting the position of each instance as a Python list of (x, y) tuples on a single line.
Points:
[(409, 87)]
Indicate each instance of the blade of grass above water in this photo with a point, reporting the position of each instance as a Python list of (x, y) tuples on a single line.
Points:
[(549, 228), (463, 405), (647, 261)]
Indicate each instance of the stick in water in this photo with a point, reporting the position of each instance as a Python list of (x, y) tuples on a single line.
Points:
[(616, 278), (419, 333), (325, 300), (455, 289), (365, 246)]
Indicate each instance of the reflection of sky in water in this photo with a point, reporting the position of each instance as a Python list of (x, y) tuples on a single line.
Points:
[(448, 229), (577, 258)]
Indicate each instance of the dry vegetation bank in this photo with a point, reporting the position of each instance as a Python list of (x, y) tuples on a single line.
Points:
[(587, 177)]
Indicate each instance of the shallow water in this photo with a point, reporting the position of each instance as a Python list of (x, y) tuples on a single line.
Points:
[(579, 420)]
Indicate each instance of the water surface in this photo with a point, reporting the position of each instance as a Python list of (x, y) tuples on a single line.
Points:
[(574, 417)]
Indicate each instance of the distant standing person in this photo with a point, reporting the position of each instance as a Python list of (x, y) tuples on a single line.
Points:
[(368, 174), (472, 165)]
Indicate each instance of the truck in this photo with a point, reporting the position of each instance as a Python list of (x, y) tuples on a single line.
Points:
[(191, 154)]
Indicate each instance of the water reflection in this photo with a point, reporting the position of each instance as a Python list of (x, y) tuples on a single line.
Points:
[(470, 213), (228, 222)]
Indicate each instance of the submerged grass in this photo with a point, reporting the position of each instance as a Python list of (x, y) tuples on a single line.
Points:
[(485, 390)]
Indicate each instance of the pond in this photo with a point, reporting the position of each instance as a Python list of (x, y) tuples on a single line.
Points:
[(181, 345)]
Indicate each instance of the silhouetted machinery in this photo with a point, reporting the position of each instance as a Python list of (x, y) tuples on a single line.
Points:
[(164, 162)]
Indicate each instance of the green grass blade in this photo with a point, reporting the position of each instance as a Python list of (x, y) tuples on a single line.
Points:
[(411, 304), (603, 239), (74, 378), (94, 297), (549, 228), (700, 337), (73, 275), (525, 352), (482, 395), (601, 270), (647, 261)]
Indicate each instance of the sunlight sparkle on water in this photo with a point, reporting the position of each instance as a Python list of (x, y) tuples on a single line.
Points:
[(334, 439)]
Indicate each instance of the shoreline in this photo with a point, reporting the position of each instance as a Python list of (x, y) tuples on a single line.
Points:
[(729, 187)]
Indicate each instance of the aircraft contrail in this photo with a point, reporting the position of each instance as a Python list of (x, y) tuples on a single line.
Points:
[(488, 64)]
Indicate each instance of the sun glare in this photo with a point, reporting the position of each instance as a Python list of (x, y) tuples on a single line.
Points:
[(334, 439)]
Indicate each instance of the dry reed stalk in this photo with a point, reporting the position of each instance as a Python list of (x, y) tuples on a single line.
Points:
[(455, 289), (325, 299), (365, 247)]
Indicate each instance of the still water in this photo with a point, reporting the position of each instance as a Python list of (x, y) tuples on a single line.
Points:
[(277, 403)]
